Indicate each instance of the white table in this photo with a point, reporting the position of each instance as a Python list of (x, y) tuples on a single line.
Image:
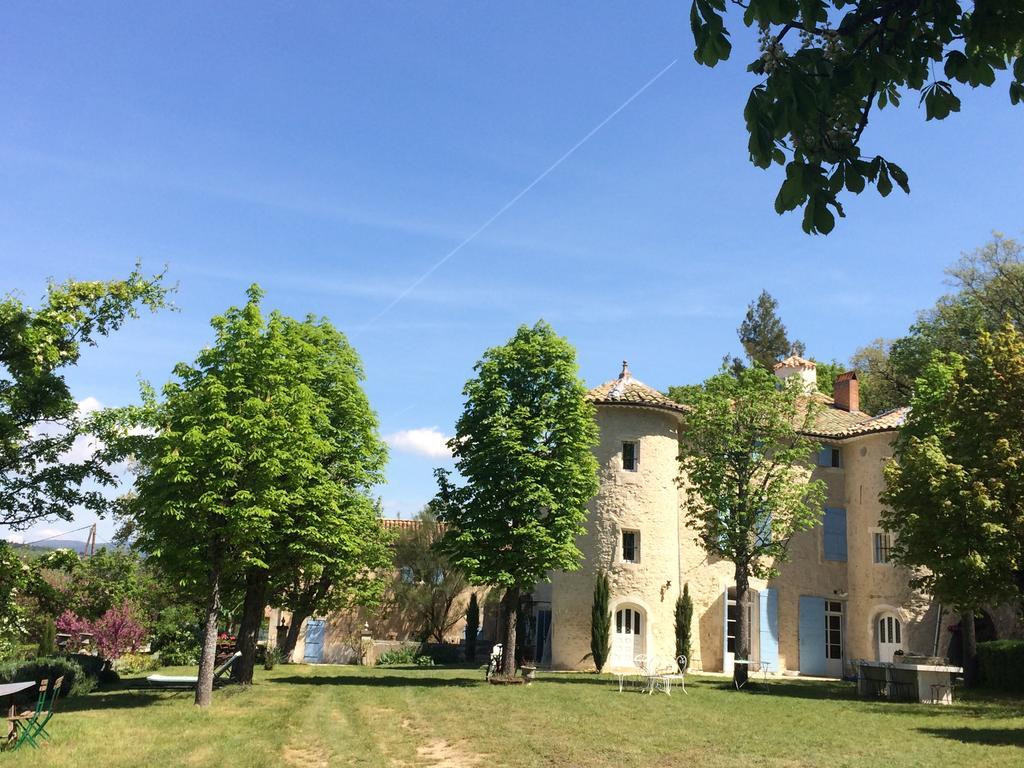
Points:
[(10, 690), (934, 681)]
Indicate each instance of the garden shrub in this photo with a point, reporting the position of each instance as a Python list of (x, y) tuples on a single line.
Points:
[(424, 661), (1001, 664), (404, 655), (133, 663), (175, 636), (76, 680), (271, 657), (442, 653)]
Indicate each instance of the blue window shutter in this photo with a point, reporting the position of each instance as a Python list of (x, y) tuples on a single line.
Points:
[(770, 629), (812, 636), (825, 456), (835, 534)]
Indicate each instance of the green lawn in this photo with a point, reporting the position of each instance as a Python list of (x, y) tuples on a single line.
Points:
[(319, 716)]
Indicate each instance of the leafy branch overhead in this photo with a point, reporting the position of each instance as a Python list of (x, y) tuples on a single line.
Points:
[(818, 91)]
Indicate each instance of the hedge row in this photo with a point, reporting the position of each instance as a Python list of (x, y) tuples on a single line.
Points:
[(1001, 664), (81, 672)]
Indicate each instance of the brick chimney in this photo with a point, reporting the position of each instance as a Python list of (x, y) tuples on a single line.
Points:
[(846, 391)]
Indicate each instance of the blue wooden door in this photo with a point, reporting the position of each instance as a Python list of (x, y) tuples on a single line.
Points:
[(542, 653), (314, 641), (812, 636), (770, 629)]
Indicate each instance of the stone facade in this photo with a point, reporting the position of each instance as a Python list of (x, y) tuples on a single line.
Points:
[(647, 571)]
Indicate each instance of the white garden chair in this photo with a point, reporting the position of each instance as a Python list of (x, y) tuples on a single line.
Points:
[(679, 675)]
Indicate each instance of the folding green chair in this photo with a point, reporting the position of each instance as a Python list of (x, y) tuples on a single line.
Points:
[(44, 716), (26, 722)]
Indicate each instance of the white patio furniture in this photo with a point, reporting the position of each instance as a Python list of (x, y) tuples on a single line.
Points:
[(678, 676), (753, 666)]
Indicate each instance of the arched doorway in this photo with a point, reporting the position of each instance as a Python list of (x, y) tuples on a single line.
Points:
[(629, 638), (889, 633)]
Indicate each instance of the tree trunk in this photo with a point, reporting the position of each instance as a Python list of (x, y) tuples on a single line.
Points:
[(208, 658), (970, 642), (256, 580), (510, 612), (293, 635), (742, 641)]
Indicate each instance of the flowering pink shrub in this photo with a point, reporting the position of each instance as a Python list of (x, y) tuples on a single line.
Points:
[(115, 632), (69, 623), (118, 631)]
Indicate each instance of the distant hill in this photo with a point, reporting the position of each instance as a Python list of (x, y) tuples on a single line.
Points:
[(47, 546)]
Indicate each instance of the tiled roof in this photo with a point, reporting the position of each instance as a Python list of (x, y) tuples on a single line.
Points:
[(626, 390), (833, 422), (394, 524), (794, 361)]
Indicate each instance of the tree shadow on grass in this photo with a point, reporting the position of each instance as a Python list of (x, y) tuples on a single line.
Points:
[(382, 681), (120, 699), (996, 737)]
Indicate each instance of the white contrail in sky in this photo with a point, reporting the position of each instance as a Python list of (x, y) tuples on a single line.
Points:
[(440, 262)]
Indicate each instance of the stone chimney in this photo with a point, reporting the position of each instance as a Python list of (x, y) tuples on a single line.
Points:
[(846, 391)]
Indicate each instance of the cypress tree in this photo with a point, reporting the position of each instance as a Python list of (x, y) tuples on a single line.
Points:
[(684, 623), (47, 638), (600, 622), (472, 627)]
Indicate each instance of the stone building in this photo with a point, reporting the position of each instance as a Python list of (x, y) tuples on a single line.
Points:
[(838, 598)]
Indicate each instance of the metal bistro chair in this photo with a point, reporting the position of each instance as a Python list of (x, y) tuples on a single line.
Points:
[(642, 679), (873, 680), (679, 675)]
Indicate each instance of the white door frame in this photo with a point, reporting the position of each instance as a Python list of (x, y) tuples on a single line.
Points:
[(627, 644), (834, 667), (888, 634)]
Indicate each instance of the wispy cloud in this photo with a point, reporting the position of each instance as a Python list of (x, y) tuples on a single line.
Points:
[(424, 441)]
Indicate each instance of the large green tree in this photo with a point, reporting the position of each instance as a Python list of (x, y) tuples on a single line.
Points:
[(427, 584), (329, 530), (266, 438), (955, 489), (523, 445), (825, 65), (763, 335), (745, 462), (882, 386), (988, 290), (39, 419)]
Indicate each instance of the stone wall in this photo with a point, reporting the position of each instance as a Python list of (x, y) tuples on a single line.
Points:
[(646, 501)]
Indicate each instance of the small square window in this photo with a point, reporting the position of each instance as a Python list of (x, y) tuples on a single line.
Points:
[(630, 456), (631, 546)]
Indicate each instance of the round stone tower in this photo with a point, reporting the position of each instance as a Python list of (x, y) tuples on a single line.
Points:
[(632, 531)]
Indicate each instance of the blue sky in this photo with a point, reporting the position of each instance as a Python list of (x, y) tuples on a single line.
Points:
[(334, 152)]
